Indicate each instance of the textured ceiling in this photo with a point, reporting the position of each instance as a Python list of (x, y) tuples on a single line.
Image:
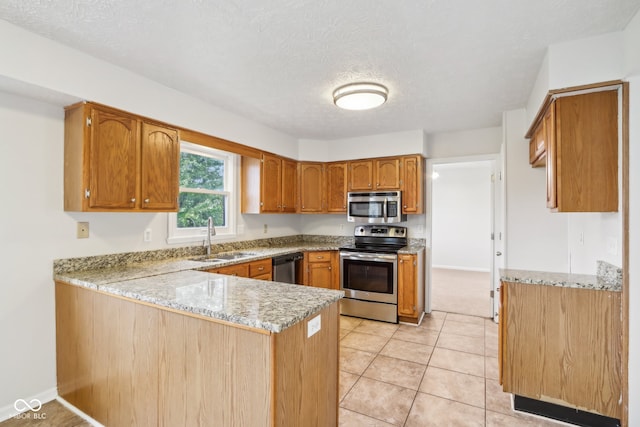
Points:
[(449, 64)]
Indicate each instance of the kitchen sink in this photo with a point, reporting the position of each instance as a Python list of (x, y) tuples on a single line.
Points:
[(223, 257)]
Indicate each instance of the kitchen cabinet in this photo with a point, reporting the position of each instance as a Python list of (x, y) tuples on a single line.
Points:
[(361, 175), (124, 362), (269, 184), (387, 174), (579, 133), (322, 269), (336, 185), (312, 186), (411, 287), (412, 185), (261, 269), (116, 161), (374, 174), (562, 345)]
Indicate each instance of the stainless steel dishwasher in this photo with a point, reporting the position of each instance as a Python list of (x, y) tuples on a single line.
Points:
[(284, 267)]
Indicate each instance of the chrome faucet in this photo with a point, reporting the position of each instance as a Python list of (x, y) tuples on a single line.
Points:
[(211, 231)]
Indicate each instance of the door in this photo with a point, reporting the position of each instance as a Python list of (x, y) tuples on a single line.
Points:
[(289, 185), (499, 237), (337, 187), (271, 186), (159, 170), (311, 187)]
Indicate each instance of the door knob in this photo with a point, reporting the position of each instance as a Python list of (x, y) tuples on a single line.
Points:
[(498, 253)]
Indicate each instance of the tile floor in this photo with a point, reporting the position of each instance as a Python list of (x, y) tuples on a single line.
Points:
[(442, 373)]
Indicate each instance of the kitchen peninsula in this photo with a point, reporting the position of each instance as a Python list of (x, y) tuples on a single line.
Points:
[(160, 343)]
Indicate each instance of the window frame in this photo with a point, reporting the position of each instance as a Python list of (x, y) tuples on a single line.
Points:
[(231, 183)]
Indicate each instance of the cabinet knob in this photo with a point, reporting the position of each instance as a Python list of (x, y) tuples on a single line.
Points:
[(133, 200), (369, 185), (146, 200), (329, 267), (404, 206)]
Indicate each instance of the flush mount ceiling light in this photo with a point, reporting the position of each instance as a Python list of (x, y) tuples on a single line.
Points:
[(360, 96)]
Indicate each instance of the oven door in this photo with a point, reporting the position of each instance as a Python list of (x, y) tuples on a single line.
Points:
[(369, 276)]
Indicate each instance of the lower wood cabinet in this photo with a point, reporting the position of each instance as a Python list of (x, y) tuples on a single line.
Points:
[(562, 345), (411, 287), (261, 269), (321, 269), (125, 363)]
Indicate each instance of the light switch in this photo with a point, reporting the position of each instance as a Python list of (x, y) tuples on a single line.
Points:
[(313, 326)]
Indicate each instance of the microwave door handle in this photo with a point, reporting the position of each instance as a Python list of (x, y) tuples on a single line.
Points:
[(384, 209)]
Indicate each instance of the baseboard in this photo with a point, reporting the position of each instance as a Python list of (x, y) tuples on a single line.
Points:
[(10, 410), (456, 267)]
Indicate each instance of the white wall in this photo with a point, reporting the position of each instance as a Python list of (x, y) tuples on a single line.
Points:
[(536, 238), (461, 222), (388, 144), (464, 143), (632, 73)]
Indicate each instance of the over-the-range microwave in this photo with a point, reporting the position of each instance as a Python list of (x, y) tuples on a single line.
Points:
[(376, 207)]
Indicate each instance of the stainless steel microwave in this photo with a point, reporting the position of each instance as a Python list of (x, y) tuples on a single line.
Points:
[(378, 207)]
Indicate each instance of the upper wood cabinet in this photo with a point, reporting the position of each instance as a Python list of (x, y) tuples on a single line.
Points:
[(361, 175), (269, 184), (336, 185), (576, 137), (115, 161), (387, 174), (312, 187), (412, 185)]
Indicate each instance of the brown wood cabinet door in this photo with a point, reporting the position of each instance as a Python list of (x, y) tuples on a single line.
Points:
[(361, 175), (337, 187), (550, 143), (160, 167), (289, 186), (407, 285), (321, 275), (112, 160), (311, 187), (387, 173), (412, 185), (271, 185)]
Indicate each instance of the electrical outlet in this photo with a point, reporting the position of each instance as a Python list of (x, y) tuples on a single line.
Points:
[(581, 238), (83, 230), (147, 235), (266, 228), (612, 246), (313, 326)]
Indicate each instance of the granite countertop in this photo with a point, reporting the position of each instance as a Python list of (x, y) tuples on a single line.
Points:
[(177, 279), (609, 278)]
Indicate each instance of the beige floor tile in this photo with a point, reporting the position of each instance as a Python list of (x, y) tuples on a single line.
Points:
[(376, 328), (347, 322), (496, 399), (437, 314), (382, 401), (355, 361), (456, 386), (464, 318), (491, 347), (347, 380), (473, 345), (433, 323), (495, 419), (366, 342), (416, 335), (461, 328), (458, 361), (395, 371), (407, 350), (491, 368), (431, 410), (344, 332), (347, 418)]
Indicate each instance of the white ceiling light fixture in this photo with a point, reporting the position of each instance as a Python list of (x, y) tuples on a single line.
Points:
[(360, 96)]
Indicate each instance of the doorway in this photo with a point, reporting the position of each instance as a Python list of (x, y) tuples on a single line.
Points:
[(462, 223)]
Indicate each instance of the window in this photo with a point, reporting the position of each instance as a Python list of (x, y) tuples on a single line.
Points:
[(207, 184)]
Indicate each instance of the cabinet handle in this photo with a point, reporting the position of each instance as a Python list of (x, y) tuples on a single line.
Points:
[(146, 200), (319, 257), (260, 268), (133, 200), (369, 185), (404, 206)]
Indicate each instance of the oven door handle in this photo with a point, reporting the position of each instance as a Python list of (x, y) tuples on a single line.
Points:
[(368, 257)]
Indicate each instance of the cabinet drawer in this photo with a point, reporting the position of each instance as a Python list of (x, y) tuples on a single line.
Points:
[(320, 256), (241, 270), (259, 268), (265, 276)]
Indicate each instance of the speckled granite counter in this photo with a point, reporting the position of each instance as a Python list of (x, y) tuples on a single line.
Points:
[(609, 278), (170, 278)]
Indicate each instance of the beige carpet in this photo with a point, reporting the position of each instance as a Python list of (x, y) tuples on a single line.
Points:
[(463, 292)]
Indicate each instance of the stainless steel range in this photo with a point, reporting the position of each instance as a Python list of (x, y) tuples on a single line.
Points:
[(369, 272)]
